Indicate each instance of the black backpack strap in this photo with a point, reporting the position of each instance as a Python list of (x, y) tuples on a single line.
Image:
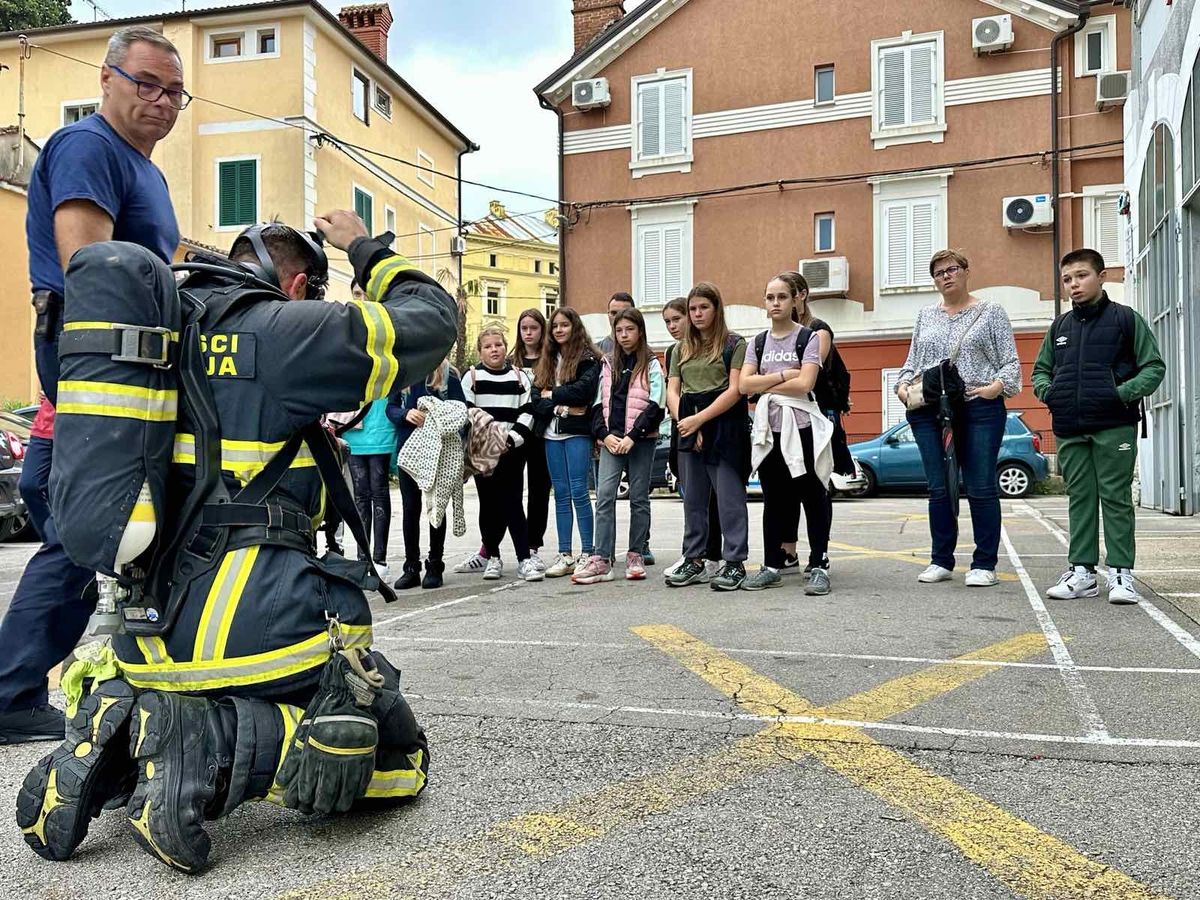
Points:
[(760, 344), (338, 494), (803, 336)]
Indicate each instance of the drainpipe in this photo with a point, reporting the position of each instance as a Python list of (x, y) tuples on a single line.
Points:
[(470, 148), (1056, 239), (562, 231)]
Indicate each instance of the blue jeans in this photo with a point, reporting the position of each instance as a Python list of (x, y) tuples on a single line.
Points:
[(570, 462), (637, 462), (977, 435), (35, 482)]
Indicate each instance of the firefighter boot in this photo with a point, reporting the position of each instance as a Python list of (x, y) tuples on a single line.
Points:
[(91, 767), (175, 742)]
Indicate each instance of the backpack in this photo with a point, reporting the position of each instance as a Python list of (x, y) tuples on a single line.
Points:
[(833, 390)]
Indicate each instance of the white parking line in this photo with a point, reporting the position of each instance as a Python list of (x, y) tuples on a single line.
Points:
[(424, 609), (1105, 740), (801, 654), (1185, 638), (1085, 706)]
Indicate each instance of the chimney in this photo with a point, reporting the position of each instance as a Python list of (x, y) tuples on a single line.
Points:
[(593, 16), (496, 209), (369, 23)]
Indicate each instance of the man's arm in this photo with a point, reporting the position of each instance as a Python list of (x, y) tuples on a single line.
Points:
[(78, 223), (1043, 368), (1151, 368)]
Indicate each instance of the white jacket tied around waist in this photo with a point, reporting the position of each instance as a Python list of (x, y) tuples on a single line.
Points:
[(789, 436)]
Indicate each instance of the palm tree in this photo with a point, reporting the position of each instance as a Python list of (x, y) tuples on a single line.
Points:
[(448, 279)]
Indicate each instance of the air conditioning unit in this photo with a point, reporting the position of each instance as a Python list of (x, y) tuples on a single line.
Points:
[(458, 245), (1111, 89), (991, 34), (1033, 211), (828, 276), (590, 93)]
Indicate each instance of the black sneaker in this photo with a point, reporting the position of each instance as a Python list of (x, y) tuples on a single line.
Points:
[(730, 577), (69, 787), (691, 572), (410, 577), (433, 574), (177, 774), (42, 723), (790, 561), (824, 565)]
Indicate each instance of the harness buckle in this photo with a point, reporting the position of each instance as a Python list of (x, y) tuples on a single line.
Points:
[(133, 350), (333, 628)]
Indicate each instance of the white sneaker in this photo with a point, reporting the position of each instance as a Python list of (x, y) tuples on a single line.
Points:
[(674, 567), (535, 560), (1121, 589), (981, 578), (384, 573), (1074, 583), (934, 574), (528, 571), (564, 564), (711, 568), (494, 569), (473, 563)]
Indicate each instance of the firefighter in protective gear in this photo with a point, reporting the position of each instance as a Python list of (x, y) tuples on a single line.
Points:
[(228, 692)]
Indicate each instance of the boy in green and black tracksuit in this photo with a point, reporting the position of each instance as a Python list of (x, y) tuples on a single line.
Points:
[(1098, 361)]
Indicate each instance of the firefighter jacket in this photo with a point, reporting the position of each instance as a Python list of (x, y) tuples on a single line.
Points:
[(255, 624)]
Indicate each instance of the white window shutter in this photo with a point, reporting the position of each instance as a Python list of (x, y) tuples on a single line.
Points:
[(924, 226), (896, 242), (674, 95), (1106, 227), (672, 264), (650, 113), (921, 83), (652, 266), (892, 88), (893, 409)]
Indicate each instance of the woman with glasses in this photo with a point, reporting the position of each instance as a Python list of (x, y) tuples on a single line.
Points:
[(968, 343)]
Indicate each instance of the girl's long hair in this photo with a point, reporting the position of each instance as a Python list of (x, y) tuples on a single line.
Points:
[(696, 344), (641, 353), (517, 356), (797, 283), (579, 347), (440, 376)]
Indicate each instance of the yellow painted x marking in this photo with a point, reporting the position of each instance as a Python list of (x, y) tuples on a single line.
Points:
[(547, 833), (1030, 862)]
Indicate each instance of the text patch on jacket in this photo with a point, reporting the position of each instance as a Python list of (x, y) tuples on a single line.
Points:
[(228, 355)]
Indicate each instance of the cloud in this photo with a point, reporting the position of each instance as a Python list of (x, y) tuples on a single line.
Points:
[(493, 103)]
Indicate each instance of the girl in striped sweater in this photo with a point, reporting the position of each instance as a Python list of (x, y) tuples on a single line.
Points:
[(498, 388)]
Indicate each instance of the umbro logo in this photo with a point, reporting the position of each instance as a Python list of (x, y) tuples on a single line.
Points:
[(1061, 341), (1126, 446)]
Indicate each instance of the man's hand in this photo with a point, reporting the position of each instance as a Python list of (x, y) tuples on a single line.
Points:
[(340, 227), (415, 417)]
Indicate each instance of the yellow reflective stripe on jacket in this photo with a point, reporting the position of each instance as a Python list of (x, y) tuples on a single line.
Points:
[(122, 401), (384, 274), (222, 603), (242, 459), (398, 782), (207, 675), (153, 650), (88, 326), (380, 347)]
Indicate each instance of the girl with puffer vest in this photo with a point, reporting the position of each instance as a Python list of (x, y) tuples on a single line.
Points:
[(566, 376), (629, 408)]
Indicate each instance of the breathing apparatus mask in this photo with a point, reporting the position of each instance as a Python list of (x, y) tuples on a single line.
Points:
[(264, 268)]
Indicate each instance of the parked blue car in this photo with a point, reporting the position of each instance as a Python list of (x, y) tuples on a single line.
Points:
[(893, 462)]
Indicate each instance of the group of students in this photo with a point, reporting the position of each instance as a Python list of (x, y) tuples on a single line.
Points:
[(558, 397)]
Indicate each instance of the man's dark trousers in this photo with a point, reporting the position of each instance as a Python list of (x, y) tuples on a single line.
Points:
[(47, 617)]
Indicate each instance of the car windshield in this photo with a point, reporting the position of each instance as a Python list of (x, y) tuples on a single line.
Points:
[(18, 425)]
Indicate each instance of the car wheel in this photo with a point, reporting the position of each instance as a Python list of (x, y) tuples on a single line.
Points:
[(11, 526), (1014, 480), (623, 489), (871, 488)]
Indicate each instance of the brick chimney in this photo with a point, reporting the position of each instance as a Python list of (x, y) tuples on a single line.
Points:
[(369, 23), (593, 16)]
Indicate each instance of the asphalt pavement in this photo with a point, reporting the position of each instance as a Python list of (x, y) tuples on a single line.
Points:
[(890, 740)]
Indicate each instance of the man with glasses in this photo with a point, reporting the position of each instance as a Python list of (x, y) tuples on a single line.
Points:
[(93, 181)]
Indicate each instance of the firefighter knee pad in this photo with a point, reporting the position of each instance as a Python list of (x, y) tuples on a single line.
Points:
[(177, 743), (90, 769)]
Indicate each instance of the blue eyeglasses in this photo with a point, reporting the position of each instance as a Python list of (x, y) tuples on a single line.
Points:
[(151, 92)]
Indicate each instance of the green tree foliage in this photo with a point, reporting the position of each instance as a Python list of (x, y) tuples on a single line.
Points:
[(18, 15)]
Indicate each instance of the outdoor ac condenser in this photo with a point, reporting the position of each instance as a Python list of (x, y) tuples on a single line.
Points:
[(827, 276)]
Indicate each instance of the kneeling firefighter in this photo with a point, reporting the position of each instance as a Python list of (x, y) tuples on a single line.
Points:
[(189, 472)]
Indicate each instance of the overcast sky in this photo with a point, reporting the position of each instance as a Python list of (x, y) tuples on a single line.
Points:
[(477, 61)]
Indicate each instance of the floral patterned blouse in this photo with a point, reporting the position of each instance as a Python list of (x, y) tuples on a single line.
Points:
[(989, 350)]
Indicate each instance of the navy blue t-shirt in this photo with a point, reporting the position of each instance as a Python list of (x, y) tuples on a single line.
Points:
[(90, 161)]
